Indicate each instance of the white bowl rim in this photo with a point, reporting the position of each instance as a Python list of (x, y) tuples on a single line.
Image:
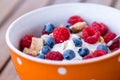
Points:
[(18, 52)]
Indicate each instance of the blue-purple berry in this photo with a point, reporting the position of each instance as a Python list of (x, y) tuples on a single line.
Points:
[(102, 47), (45, 49), (49, 28), (40, 55), (83, 51), (68, 26), (68, 54), (49, 41), (77, 42)]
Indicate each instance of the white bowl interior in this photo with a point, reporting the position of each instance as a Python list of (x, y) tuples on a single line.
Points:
[(33, 22)]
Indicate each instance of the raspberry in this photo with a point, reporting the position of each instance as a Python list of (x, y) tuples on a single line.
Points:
[(100, 27), (88, 56), (115, 45), (98, 53), (74, 19), (109, 36), (44, 32), (26, 41), (61, 34), (90, 35), (115, 49), (30, 54), (54, 55)]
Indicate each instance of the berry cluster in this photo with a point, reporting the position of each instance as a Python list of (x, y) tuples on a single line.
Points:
[(58, 35)]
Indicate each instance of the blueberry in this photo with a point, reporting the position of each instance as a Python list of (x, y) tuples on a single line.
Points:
[(102, 47), (83, 51), (49, 28), (68, 54), (40, 55), (68, 26), (49, 41), (77, 42), (45, 49)]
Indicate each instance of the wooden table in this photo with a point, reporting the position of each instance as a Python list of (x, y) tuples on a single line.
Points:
[(12, 9)]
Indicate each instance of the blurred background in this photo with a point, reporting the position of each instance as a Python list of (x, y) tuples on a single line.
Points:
[(12, 9)]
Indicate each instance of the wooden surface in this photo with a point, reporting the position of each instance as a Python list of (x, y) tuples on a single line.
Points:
[(12, 9)]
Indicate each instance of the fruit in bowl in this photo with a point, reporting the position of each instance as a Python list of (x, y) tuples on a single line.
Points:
[(28, 31), (74, 41)]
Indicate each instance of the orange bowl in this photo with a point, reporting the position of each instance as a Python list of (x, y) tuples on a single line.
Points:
[(30, 68)]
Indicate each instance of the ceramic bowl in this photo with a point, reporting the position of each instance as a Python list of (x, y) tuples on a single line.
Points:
[(30, 68)]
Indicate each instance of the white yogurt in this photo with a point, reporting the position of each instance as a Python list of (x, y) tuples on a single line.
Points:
[(70, 45)]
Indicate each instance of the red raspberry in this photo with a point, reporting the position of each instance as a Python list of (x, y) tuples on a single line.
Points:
[(115, 49), (100, 27), (115, 45), (109, 36), (89, 56), (98, 53), (74, 19), (90, 35), (43, 32), (30, 54), (61, 34), (26, 41), (54, 55)]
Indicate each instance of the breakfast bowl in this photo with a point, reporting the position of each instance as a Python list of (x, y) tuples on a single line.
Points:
[(106, 67)]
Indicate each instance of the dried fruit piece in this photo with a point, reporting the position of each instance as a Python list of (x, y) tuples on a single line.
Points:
[(37, 44), (77, 27), (101, 40), (30, 51)]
